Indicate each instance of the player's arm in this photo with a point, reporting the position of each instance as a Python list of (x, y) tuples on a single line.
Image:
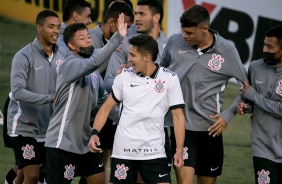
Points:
[(179, 131), (19, 73), (99, 122)]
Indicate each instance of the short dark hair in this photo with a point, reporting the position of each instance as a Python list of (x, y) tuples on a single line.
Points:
[(275, 31), (155, 7), (194, 15), (72, 6), (71, 30), (145, 44), (41, 16), (117, 8), (128, 2)]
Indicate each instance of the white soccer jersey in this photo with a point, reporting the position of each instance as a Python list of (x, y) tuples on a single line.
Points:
[(146, 100)]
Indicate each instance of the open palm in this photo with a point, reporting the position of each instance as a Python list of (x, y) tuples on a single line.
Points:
[(122, 27)]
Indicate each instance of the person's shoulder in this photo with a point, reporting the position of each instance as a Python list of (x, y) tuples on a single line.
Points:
[(168, 72), (127, 71), (175, 36), (256, 63), (95, 31), (25, 51)]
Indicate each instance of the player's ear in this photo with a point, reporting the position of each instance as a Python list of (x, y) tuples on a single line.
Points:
[(148, 57), (71, 46), (38, 28), (156, 18)]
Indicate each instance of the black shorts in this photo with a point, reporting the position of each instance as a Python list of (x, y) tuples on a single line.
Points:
[(107, 134), (28, 151), (63, 166), (202, 152), (267, 171), (152, 171)]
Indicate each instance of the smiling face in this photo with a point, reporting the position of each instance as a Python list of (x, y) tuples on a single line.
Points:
[(136, 59), (144, 19), (81, 39), (49, 31)]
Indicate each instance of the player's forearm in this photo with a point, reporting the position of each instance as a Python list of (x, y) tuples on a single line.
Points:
[(179, 129)]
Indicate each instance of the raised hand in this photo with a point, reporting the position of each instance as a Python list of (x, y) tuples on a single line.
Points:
[(122, 27)]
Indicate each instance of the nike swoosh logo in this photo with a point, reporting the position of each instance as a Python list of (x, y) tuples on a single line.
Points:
[(132, 85), (182, 51), (100, 165), (162, 175), (38, 68), (213, 169), (169, 165), (258, 82)]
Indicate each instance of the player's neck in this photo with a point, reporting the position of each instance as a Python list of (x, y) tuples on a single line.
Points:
[(106, 31), (150, 69), (207, 42), (155, 32)]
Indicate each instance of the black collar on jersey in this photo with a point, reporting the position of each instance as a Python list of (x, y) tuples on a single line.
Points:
[(209, 47), (154, 74), (53, 50)]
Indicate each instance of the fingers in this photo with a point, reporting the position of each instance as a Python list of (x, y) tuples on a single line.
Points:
[(215, 116), (240, 108), (94, 143), (218, 127), (178, 163), (121, 18)]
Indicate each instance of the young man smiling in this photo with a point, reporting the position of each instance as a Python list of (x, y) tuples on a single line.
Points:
[(147, 92)]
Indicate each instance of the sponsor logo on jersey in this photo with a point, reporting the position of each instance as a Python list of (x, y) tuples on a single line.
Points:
[(28, 152), (94, 79), (58, 63), (159, 87), (185, 153), (168, 71), (145, 152), (121, 173), (215, 62), (263, 177), (69, 173), (279, 88)]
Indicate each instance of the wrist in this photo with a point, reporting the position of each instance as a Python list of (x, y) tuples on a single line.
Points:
[(179, 149), (94, 132)]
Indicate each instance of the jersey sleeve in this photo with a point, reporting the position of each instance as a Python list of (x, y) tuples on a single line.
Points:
[(166, 57), (175, 96), (117, 87), (270, 106), (70, 71), (117, 58), (19, 72)]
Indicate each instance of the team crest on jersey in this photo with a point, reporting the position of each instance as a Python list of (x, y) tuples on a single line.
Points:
[(94, 79), (159, 87), (185, 153), (28, 152), (215, 62), (69, 173), (58, 63), (263, 177), (121, 173), (279, 88)]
